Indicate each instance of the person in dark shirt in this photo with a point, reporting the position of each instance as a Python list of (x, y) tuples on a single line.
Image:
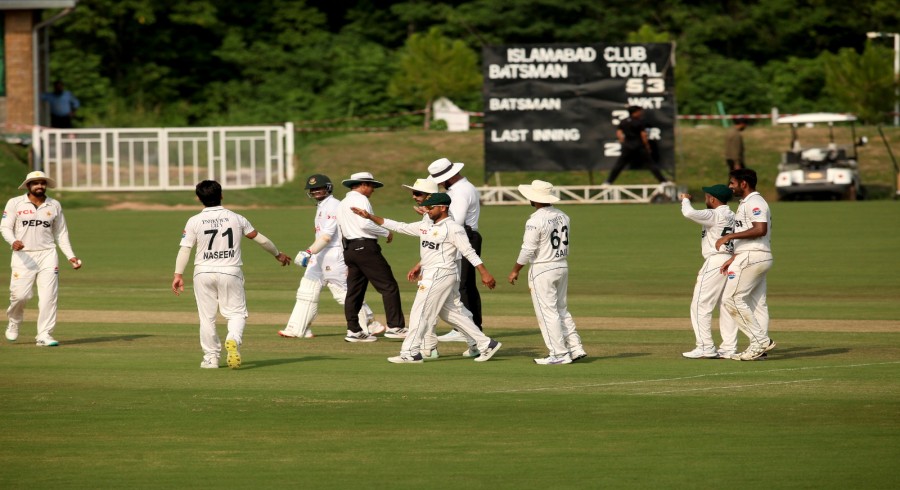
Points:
[(632, 134)]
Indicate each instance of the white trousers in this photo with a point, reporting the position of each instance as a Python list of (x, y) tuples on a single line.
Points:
[(549, 285), (744, 296), (328, 269), (707, 296), (215, 292), (438, 296), (28, 268)]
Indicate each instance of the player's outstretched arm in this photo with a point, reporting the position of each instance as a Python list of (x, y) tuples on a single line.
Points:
[(486, 278), (362, 213), (268, 246)]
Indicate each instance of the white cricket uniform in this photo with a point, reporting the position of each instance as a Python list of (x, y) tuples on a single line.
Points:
[(438, 289), (465, 203), (745, 290), (39, 228), (218, 278), (545, 246), (715, 223), (326, 267)]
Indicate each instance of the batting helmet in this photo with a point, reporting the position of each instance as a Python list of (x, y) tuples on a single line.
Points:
[(318, 181)]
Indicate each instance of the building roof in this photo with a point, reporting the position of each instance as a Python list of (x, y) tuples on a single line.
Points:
[(36, 4)]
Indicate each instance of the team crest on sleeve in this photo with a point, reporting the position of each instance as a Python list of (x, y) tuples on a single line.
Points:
[(4, 214), (183, 233), (757, 211), (731, 275)]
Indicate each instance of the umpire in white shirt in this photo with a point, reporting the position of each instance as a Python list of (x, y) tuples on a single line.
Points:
[(465, 209), (364, 260)]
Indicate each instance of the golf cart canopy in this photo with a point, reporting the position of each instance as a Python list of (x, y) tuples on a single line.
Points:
[(817, 117)]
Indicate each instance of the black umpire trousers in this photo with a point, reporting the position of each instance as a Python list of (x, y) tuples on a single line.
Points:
[(468, 283), (635, 155), (365, 264)]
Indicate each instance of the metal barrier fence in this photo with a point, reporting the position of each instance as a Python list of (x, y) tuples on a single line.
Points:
[(146, 159), (587, 194)]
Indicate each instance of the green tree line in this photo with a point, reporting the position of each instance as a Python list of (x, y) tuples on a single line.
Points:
[(216, 62)]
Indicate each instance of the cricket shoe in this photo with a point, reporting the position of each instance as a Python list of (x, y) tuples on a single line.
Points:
[(210, 362), (291, 334), (577, 355), (376, 328), (430, 355), (488, 353), (12, 332), (359, 337), (234, 355), (756, 351), (407, 359), (452, 336), (701, 353), (47, 342), (396, 333), (472, 351), (724, 354), (553, 360)]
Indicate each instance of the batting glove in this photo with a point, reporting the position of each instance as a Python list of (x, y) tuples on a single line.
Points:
[(303, 258)]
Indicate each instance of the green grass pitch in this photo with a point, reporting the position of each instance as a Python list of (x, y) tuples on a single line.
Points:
[(122, 403)]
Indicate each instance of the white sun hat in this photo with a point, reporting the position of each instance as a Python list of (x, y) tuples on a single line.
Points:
[(539, 191), (443, 169), (361, 177), (37, 175), (423, 185)]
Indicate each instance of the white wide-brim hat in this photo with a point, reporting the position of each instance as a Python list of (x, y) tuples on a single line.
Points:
[(359, 178), (427, 186), (539, 191), (37, 175), (443, 169)]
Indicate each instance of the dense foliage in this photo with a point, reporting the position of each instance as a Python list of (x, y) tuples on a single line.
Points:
[(171, 62)]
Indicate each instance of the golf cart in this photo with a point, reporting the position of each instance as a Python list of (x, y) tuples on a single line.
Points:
[(818, 172)]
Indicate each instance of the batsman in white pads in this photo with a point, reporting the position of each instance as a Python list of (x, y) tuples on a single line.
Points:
[(715, 221), (218, 278), (438, 292), (33, 224), (545, 246), (324, 262)]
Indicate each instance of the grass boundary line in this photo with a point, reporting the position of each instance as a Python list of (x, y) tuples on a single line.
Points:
[(490, 322), (696, 376), (711, 388)]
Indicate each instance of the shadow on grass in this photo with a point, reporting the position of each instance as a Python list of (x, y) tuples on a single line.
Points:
[(794, 352), (112, 338), (514, 333), (277, 362), (623, 355)]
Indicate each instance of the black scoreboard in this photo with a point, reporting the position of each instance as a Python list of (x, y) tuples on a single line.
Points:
[(557, 106)]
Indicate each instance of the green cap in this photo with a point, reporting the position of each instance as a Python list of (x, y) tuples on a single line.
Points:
[(720, 192), (437, 199)]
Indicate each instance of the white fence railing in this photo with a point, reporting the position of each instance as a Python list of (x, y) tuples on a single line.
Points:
[(149, 159), (587, 194)]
